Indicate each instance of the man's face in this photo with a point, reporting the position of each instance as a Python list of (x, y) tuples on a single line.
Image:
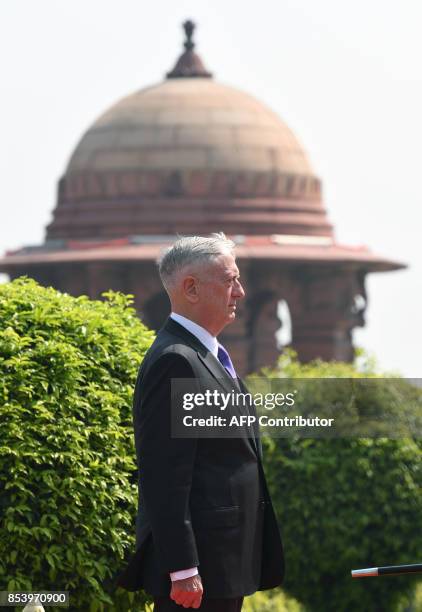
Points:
[(219, 290)]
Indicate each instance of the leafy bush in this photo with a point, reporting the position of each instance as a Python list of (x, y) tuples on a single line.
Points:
[(271, 601), (67, 491), (67, 471), (413, 603), (346, 503)]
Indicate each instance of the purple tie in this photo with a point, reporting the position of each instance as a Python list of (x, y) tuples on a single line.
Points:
[(224, 359)]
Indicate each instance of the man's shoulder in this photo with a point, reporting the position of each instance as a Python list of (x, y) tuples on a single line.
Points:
[(165, 359), (169, 347)]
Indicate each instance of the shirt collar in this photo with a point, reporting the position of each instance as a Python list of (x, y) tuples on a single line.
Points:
[(203, 335)]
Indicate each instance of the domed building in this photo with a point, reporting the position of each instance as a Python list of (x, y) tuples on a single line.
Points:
[(193, 156)]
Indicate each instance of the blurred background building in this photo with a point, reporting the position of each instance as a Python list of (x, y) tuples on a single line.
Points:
[(192, 156)]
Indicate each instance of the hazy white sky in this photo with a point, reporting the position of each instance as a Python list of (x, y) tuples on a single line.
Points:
[(346, 77)]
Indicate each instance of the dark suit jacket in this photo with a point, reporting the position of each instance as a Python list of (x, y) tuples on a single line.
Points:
[(202, 502)]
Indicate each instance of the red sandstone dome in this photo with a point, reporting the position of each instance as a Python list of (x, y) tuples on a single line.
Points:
[(230, 159), (192, 156)]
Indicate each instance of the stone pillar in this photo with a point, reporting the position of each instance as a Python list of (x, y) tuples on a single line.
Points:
[(74, 279), (326, 304), (99, 279)]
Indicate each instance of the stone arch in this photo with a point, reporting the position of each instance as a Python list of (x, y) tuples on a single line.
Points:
[(285, 333)]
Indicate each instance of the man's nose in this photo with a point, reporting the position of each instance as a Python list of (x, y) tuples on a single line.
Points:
[(239, 292)]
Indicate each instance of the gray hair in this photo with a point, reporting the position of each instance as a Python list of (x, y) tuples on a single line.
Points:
[(190, 250)]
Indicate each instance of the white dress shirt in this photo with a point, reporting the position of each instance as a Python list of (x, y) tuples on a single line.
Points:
[(201, 333), (211, 344)]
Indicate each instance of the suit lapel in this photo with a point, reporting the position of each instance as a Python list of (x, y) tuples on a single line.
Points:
[(216, 369)]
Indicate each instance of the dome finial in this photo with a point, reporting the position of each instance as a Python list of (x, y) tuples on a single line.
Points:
[(189, 27), (189, 64)]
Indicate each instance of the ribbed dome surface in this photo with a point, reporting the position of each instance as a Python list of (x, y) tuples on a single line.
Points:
[(191, 156), (189, 124)]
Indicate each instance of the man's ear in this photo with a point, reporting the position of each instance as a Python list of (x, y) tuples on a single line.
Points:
[(190, 286)]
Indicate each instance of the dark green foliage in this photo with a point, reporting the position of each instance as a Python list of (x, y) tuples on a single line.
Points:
[(67, 472), (345, 504)]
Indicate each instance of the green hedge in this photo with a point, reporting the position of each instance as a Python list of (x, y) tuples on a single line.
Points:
[(271, 601), (67, 461), (67, 468), (347, 503)]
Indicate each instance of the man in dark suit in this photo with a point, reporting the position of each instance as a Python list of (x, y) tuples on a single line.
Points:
[(206, 530)]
